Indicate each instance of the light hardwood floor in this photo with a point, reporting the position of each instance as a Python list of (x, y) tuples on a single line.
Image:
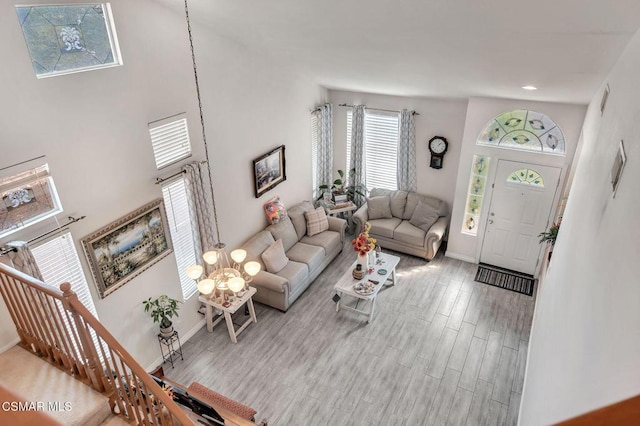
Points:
[(441, 349)]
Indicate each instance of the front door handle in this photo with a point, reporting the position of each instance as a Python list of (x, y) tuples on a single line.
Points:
[(490, 221)]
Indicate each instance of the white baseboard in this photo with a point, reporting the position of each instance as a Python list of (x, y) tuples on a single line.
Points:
[(183, 339), (9, 345), (460, 257)]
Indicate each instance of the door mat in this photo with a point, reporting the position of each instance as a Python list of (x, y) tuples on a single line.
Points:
[(505, 278)]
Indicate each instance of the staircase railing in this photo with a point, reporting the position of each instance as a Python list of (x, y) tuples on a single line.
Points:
[(55, 325)]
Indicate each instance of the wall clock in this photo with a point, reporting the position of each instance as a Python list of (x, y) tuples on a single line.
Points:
[(438, 147)]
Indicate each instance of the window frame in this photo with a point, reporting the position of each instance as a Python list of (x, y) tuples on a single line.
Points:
[(169, 136)]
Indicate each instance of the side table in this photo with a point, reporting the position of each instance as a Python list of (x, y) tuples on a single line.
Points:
[(168, 347), (246, 298), (346, 209)]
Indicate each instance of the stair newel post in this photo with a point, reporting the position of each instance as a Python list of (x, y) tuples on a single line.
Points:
[(88, 350)]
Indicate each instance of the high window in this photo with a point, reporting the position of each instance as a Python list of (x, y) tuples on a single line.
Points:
[(27, 198), (69, 38), (524, 131), (170, 143), (381, 134)]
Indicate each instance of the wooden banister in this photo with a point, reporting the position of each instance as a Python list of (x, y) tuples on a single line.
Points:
[(625, 412), (55, 325)]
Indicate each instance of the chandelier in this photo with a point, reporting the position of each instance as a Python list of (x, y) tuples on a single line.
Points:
[(226, 275)]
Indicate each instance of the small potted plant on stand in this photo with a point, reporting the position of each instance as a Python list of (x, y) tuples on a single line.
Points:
[(162, 309)]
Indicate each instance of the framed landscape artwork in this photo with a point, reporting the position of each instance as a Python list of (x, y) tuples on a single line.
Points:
[(269, 170), (128, 246)]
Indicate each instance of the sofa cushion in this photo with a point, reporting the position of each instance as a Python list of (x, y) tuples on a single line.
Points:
[(274, 257), (257, 244), (424, 216), (378, 207), (313, 256), (397, 199), (384, 227), (316, 221), (407, 233), (299, 220), (296, 273), (329, 240), (412, 202), (284, 230)]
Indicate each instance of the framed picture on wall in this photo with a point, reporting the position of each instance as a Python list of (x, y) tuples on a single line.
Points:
[(128, 246), (269, 170), (618, 165)]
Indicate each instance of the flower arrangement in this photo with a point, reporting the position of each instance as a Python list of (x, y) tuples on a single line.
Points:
[(363, 243), (551, 235)]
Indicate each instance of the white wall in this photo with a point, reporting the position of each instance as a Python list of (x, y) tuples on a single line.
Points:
[(92, 127), (480, 112), (585, 338), (440, 117)]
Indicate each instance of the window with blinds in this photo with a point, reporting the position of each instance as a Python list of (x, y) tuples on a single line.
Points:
[(314, 154), (170, 140), (179, 218), (58, 262), (381, 134)]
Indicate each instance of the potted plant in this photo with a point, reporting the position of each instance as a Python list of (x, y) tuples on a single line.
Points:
[(551, 235), (339, 188), (162, 309)]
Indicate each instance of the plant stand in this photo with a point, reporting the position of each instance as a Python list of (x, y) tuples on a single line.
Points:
[(169, 349)]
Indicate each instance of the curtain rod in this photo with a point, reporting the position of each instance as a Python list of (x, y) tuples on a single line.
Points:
[(160, 180), (379, 109), (70, 219)]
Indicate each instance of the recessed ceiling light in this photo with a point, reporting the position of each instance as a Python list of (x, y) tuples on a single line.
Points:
[(529, 87)]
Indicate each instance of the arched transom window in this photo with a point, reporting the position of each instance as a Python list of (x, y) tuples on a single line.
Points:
[(524, 130), (526, 177)]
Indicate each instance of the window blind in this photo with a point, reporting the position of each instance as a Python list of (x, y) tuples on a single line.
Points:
[(179, 218), (381, 149), (381, 130), (170, 140), (58, 262)]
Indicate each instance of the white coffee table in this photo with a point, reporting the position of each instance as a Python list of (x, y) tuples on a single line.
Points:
[(247, 298), (345, 285)]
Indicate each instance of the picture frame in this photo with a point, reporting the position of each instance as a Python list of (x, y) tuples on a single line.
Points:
[(269, 170), (123, 249), (617, 167)]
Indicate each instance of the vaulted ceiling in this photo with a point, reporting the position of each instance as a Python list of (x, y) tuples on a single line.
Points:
[(435, 48)]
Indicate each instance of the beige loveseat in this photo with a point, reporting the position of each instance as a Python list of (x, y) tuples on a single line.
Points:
[(306, 256), (403, 221)]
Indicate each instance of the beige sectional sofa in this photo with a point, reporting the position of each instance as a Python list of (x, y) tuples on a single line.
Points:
[(403, 221), (306, 256)]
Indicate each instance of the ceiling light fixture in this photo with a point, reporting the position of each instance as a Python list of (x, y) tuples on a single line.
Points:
[(529, 87)]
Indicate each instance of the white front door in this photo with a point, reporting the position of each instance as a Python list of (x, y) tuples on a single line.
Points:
[(520, 208)]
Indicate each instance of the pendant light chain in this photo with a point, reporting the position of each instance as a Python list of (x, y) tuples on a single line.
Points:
[(204, 136)]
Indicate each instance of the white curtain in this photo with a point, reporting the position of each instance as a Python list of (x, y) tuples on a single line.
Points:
[(200, 207), (357, 165), (407, 152), (22, 259), (324, 166)]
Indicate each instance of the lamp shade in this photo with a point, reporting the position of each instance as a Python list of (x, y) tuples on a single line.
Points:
[(236, 284), (211, 257), (238, 255), (252, 268), (194, 272), (206, 286)]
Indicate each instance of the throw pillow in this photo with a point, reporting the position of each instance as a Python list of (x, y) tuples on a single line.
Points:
[(275, 210), (317, 221), (424, 216), (274, 257), (379, 207)]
